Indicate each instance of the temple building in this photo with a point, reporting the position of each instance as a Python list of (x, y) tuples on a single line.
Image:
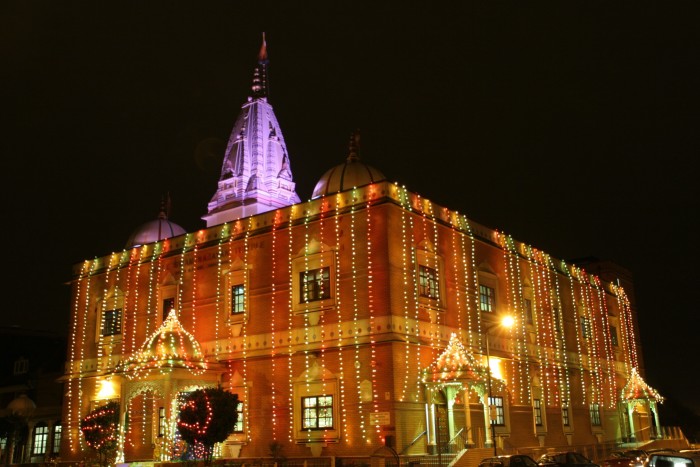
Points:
[(367, 316)]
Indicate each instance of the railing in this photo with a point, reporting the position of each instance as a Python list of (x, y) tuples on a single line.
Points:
[(415, 440), (458, 441)]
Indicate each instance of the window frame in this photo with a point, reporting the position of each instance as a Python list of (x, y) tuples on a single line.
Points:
[(496, 403), (487, 298), (317, 409), (238, 277), (613, 335), (56, 436), (320, 257), (40, 439), (537, 411), (428, 286), (585, 325), (594, 410), (107, 325), (320, 281), (565, 415), (428, 261)]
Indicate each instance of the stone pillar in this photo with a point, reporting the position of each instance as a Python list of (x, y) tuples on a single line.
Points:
[(468, 416)]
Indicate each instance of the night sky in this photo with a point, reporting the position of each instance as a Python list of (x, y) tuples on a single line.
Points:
[(564, 124)]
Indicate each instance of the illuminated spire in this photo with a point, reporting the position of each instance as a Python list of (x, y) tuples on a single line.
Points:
[(256, 175)]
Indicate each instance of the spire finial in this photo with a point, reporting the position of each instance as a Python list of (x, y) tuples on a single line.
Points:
[(262, 55), (260, 73), (354, 150)]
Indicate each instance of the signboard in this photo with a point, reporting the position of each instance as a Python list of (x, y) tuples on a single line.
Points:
[(379, 418)]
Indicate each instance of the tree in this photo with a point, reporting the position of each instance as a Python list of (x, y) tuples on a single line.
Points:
[(207, 416), (101, 431)]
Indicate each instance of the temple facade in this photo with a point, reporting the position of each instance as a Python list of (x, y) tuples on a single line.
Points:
[(364, 317)]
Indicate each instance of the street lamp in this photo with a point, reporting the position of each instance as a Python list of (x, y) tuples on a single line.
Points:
[(506, 322)]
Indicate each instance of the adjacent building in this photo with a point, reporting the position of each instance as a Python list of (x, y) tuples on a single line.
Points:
[(368, 315)]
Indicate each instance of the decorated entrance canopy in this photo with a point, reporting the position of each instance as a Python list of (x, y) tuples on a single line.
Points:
[(170, 347), (637, 389), (455, 362)]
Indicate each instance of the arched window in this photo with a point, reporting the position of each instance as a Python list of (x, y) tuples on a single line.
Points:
[(41, 435)]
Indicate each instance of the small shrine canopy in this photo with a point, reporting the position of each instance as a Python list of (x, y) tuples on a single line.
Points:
[(637, 389), (455, 362), (170, 347)]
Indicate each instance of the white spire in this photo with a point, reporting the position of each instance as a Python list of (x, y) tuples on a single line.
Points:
[(256, 176)]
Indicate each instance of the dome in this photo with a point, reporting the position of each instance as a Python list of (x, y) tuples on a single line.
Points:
[(171, 346), (154, 231), (21, 405), (350, 174)]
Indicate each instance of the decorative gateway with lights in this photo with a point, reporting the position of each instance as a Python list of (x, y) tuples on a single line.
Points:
[(363, 317)]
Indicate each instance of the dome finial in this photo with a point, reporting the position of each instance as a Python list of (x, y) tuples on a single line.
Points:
[(354, 150)]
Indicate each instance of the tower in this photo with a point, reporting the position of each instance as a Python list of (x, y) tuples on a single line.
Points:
[(256, 175)]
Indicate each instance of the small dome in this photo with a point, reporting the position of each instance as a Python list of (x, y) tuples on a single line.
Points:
[(21, 405), (154, 231), (350, 174), (171, 346)]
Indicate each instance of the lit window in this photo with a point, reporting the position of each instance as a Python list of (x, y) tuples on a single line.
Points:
[(317, 412), (315, 284), (41, 435), (537, 405), (595, 414), (238, 428), (565, 414), (428, 283), (498, 414), (56, 438), (585, 327), (527, 303), (111, 323), (237, 299), (487, 297), (161, 422), (613, 335)]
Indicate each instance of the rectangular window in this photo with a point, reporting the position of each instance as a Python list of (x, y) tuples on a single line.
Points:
[(41, 435), (315, 284), (427, 282), (237, 299), (498, 414), (317, 412), (239, 418), (111, 323), (595, 414), (56, 438), (161, 422), (168, 304), (21, 366), (585, 327), (537, 405), (527, 303), (613, 336), (565, 414), (487, 298)]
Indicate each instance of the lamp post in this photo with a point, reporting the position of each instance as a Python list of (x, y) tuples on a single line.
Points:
[(507, 322)]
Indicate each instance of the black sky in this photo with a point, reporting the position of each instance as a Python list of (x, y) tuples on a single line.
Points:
[(564, 124)]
